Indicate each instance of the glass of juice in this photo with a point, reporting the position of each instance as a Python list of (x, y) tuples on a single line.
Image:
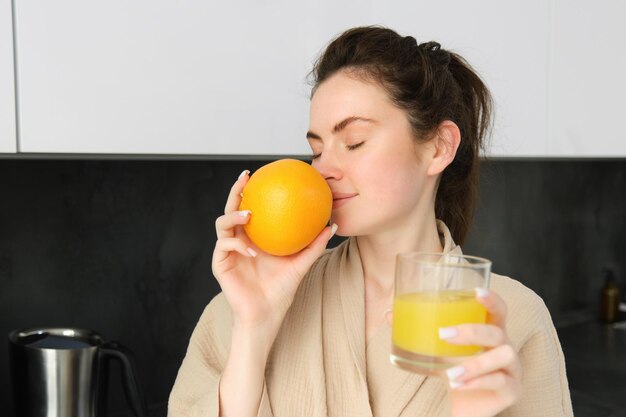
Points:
[(434, 290)]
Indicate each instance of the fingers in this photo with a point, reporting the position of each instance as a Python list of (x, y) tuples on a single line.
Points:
[(486, 335), (489, 335), (224, 246), (493, 381), (490, 381), (495, 378), (234, 196), (502, 359), (495, 305), (309, 254), (485, 396), (388, 316), (224, 225)]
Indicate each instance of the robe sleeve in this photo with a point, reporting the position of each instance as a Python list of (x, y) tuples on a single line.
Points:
[(544, 380), (196, 389)]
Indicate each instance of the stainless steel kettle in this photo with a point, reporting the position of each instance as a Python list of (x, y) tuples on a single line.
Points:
[(63, 372)]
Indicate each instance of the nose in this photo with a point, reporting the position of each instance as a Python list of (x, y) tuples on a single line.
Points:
[(328, 165)]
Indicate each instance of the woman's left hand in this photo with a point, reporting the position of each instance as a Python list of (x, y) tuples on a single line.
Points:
[(489, 382)]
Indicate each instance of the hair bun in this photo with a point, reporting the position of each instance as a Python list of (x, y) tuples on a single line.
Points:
[(433, 49), (430, 46)]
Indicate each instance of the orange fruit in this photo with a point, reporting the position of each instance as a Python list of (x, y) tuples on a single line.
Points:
[(290, 204)]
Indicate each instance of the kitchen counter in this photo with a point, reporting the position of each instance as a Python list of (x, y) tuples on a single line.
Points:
[(595, 356)]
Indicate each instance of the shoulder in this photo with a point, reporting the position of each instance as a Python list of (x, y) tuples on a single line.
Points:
[(514, 291), (527, 313)]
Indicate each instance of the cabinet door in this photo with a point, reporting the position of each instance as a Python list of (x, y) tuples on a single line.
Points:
[(8, 140), (588, 85), (162, 77)]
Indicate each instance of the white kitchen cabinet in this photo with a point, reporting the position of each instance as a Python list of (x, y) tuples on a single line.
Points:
[(197, 77), (587, 81), (228, 78), (8, 140), (161, 77)]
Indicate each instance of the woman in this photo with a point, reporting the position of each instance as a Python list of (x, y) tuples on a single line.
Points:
[(395, 129)]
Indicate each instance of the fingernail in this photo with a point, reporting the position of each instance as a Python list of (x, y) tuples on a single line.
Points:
[(481, 292), (251, 252), (244, 213), (456, 384), (454, 373), (447, 332), (245, 172), (333, 229)]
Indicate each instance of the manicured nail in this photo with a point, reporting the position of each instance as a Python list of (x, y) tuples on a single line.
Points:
[(244, 213), (454, 373), (448, 332), (333, 229), (251, 252), (481, 292), (245, 172), (456, 384)]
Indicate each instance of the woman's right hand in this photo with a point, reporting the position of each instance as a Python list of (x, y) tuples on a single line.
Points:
[(259, 287)]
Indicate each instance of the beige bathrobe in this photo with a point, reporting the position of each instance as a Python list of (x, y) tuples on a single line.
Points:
[(320, 364)]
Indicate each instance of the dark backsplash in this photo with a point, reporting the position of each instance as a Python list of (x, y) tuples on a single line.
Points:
[(124, 247)]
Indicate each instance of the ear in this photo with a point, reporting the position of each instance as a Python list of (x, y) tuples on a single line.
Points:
[(445, 143)]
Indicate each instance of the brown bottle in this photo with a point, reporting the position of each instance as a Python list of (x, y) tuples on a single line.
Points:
[(609, 303)]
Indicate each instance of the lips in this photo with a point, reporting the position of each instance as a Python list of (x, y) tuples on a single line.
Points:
[(339, 199)]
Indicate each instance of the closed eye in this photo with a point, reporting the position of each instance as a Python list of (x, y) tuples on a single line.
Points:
[(350, 147), (356, 145)]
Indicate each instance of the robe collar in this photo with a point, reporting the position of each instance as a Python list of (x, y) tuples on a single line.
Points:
[(345, 352)]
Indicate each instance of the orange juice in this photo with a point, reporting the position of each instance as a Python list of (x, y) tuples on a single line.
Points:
[(417, 318)]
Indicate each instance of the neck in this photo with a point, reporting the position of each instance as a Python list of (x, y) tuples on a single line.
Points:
[(378, 251)]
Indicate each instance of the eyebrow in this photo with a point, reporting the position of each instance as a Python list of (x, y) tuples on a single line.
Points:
[(340, 126)]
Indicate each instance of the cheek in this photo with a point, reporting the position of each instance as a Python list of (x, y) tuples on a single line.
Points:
[(398, 191), (395, 183)]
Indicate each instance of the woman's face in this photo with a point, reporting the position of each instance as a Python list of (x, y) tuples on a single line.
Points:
[(364, 147)]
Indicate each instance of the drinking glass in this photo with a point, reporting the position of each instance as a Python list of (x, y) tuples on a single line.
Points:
[(434, 290)]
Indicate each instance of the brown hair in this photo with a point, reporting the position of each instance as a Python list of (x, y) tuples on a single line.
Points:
[(432, 85)]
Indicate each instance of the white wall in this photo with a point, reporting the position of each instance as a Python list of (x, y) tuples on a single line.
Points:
[(588, 79), (507, 42)]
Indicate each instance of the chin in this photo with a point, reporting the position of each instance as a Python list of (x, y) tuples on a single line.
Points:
[(347, 228), (357, 224)]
